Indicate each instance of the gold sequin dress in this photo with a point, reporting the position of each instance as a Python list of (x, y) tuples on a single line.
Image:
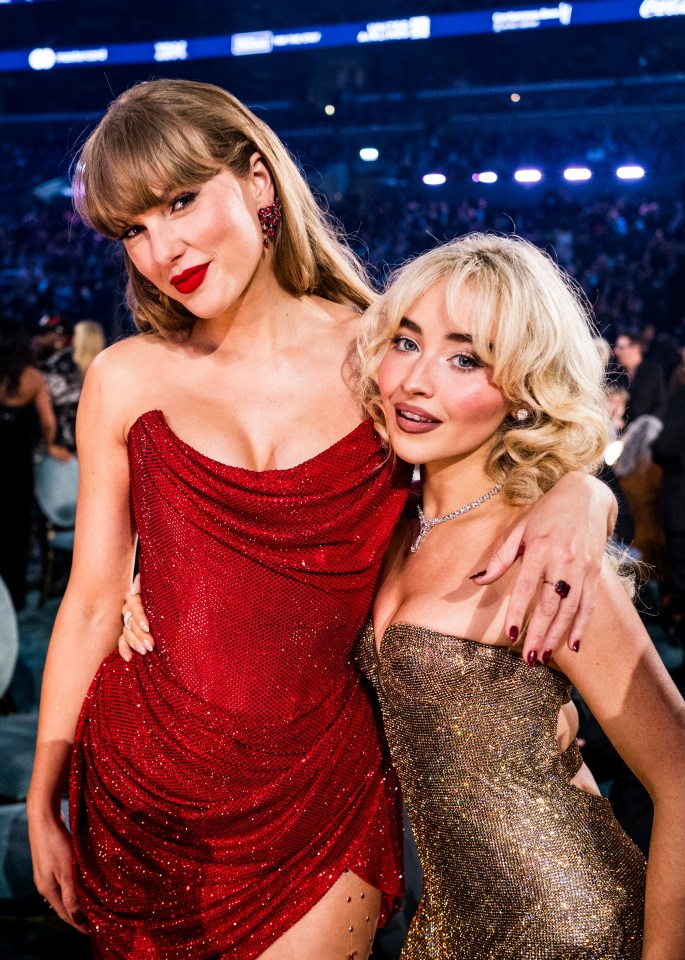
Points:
[(518, 863)]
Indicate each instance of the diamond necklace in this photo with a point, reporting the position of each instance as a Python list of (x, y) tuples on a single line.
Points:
[(425, 526)]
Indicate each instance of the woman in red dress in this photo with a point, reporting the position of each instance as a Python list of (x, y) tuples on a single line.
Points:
[(230, 794)]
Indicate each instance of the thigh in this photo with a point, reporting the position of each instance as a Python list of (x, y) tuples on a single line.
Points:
[(341, 926)]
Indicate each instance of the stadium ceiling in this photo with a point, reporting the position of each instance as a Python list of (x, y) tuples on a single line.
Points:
[(413, 28)]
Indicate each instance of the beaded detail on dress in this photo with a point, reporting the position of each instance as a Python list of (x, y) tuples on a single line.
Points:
[(222, 783), (519, 863)]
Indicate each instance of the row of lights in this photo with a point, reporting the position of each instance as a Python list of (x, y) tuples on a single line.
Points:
[(524, 175)]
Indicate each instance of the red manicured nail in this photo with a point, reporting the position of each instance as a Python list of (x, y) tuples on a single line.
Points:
[(481, 573), (575, 646), (513, 634), (521, 550), (546, 657), (532, 658)]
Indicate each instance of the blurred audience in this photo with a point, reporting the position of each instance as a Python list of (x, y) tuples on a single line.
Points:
[(54, 356), (25, 415), (89, 340), (669, 452), (644, 379)]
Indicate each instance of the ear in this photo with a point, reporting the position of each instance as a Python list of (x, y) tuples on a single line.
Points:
[(261, 181)]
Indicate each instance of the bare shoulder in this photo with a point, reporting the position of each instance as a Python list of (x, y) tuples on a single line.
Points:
[(120, 381), (32, 381), (127, 357), (344, 318)]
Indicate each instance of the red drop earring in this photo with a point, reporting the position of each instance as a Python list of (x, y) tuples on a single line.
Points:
[(270, 217)]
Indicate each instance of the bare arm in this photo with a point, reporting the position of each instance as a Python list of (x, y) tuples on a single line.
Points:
[(101, 571), (628, 689), (43, 405), (561, 538)]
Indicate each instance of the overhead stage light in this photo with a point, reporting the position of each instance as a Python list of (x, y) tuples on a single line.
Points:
[(576, 174), (434, 179), (329, 109), (369, 154), (630, 172), (528, 175), (487, 176)]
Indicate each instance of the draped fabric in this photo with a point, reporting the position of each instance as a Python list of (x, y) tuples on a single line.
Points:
[(221, 784)]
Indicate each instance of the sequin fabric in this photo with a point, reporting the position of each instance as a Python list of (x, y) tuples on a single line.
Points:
[(220, 785), (519, 863)]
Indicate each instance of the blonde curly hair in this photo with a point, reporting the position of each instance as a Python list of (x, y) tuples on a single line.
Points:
[(534, 329)]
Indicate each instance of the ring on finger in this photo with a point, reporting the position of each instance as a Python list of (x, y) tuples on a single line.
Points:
[(127, 618), (560, 587)]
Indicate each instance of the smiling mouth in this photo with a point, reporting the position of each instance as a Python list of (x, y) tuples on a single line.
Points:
[(190, 279), (410, 421)]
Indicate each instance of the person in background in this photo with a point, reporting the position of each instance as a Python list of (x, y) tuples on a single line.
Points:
[(26, 415), (668, 451), (89, 340), (644, 379), (53, 342)]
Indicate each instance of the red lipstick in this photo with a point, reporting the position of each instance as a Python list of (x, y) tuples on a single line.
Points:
[(411, 419), (190, 279)]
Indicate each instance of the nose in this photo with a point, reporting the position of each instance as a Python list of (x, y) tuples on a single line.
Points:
[(165, 244), (418, 377)]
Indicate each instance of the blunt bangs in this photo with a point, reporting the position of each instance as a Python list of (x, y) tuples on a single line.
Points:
[(132, 162)]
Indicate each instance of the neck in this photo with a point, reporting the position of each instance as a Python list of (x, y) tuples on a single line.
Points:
[(447, 486), (257, 319)]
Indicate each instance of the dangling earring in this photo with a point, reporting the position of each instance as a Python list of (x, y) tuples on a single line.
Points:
[(522, 414), (270, 217), (152, 289)]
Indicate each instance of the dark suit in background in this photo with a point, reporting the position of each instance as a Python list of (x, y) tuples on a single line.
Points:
[(669, 452)]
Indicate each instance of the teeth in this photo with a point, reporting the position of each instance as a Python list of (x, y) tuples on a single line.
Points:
[(414, 416)]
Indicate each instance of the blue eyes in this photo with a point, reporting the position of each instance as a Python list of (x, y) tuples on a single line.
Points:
[(404, 344), (462, 361)]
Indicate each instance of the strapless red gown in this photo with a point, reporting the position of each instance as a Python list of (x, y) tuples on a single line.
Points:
[(220, 785)]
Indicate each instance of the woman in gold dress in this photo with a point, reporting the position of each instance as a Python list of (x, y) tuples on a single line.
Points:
[(479, 365)]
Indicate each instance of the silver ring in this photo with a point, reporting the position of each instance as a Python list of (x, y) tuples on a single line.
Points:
[(127, 618)]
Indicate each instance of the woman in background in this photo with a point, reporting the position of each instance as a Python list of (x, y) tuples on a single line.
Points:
[(26, 415), (88, 341)]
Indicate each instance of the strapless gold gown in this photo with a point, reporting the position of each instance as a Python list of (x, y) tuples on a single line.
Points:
[(519, 864)]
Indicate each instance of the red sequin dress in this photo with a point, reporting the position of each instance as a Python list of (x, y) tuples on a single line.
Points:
[(220, 785)]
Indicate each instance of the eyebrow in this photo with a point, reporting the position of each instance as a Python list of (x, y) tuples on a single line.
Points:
[(452, 337)]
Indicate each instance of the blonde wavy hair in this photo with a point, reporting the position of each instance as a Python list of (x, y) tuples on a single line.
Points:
[(163, 135), (88, 341), (533, 328)]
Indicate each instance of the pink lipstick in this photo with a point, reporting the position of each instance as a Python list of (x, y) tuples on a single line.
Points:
[(190, 279), (411, 419)]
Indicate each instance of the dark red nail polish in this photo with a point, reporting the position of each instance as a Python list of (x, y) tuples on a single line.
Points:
[(481, 573), (513, 634), (78, 917), (546, 657), (576, 646), (521, 550), (532, 658)]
